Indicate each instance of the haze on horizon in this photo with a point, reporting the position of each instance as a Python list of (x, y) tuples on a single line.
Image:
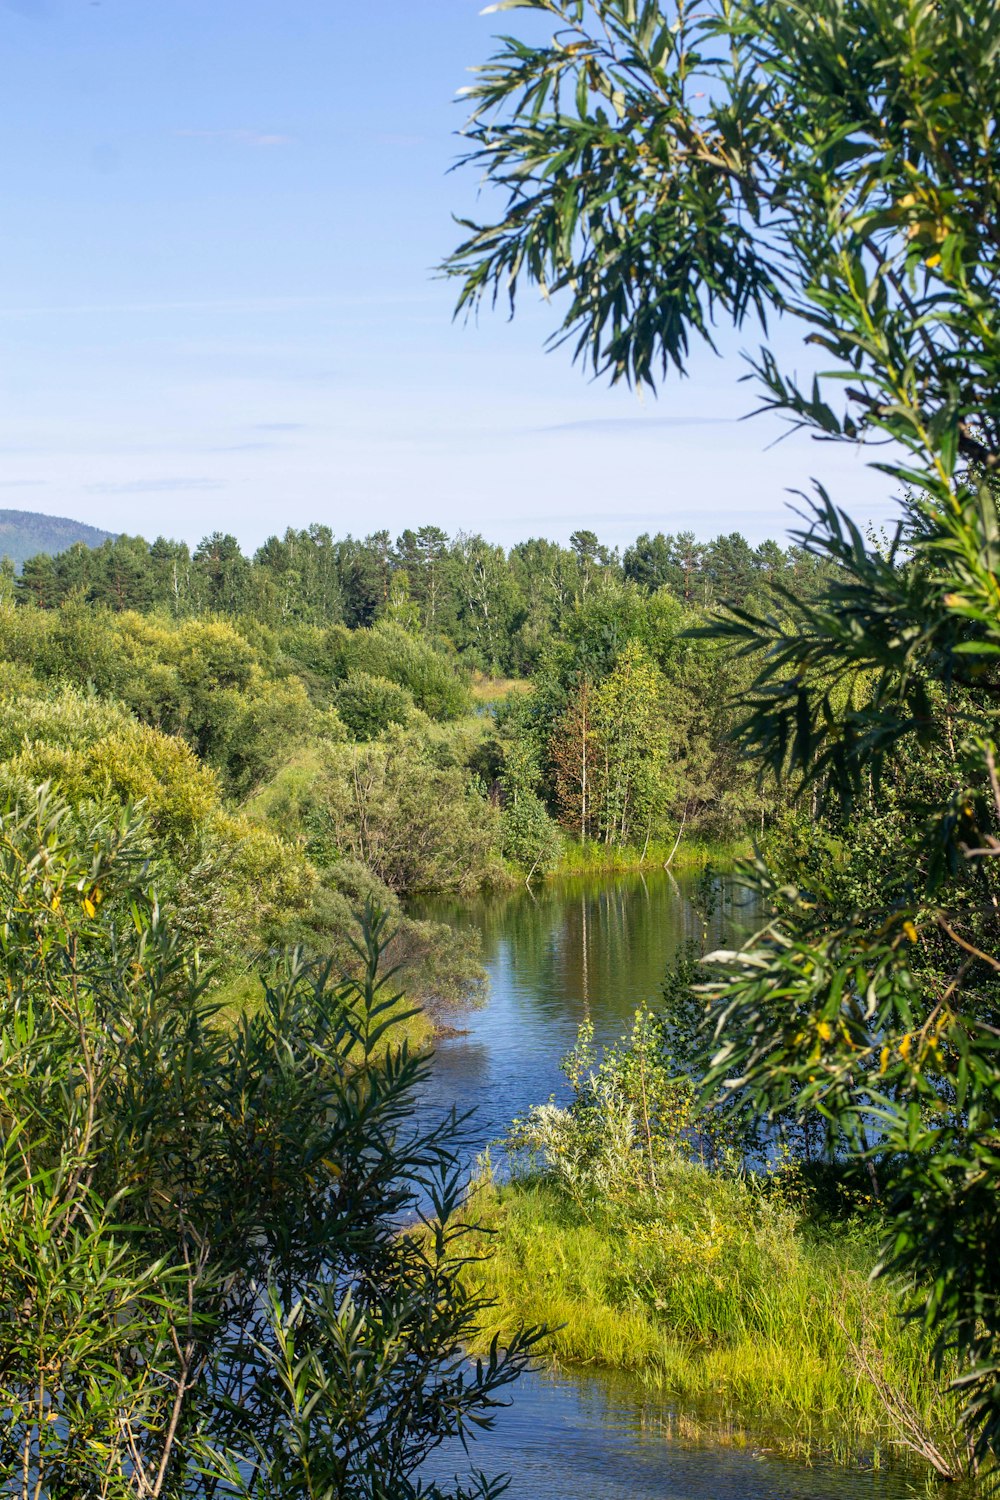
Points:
[(219, 310)]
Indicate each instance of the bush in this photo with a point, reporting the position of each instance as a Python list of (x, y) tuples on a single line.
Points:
[(751, 1290), (390, 805), (368, 705), (204, 1283), (200, 679), (529, 836), (387, 650)]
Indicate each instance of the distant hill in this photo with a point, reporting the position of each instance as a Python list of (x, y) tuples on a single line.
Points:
[(23, 533)]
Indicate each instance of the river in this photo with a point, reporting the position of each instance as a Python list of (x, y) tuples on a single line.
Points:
[(571, 951)]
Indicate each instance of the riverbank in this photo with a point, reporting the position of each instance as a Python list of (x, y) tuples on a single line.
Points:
[(720, 1295), (682, 856), (244, 995)]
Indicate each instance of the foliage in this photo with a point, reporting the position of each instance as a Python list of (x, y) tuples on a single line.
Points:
[(836, 164), (528, 835), (233, 884), (205, 1287), (369, 705), (252, 659), (631, 740), (239, 882), (628, 1117), (455, 595), (632, 1217), (720, 1294), (414, 823), (389, 651), (200, 679), (734, 160), (240, 703), (637, 727)]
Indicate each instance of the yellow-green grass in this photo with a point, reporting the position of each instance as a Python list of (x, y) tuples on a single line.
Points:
[(243, 994), (713, 1294), (691, 854), (494, 689)]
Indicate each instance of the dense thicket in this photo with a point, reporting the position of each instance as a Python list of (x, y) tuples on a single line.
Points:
[(205, 1290)]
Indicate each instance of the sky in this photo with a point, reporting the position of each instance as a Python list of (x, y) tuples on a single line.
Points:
[(219, 308)]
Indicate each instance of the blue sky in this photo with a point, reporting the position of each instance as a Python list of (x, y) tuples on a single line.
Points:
[(218, 308)]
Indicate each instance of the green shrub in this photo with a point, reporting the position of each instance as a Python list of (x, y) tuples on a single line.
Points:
[(390, 805), (368, 705), (714, 1291), (204, 1285), (387, 650), (751, 1290)]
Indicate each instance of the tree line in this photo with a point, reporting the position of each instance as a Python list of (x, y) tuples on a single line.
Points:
[(497, 607), (618, 736)]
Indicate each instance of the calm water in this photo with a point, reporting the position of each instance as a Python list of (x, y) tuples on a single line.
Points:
[(581, 1437), (574, 951)]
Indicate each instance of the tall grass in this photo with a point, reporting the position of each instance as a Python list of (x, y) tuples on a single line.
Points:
[(691, 854), (713, 1291), (496, 689)]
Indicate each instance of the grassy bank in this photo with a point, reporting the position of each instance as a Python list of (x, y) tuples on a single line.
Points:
[(496, 689), (717, 1293), (244, 995), (610, 859)]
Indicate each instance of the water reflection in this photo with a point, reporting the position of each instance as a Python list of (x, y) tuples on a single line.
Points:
[(571, 951), (592, 1437)]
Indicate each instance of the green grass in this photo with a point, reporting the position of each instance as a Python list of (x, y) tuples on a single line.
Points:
[(690, 854), (243, 993), (495, 689), (715, 1294)]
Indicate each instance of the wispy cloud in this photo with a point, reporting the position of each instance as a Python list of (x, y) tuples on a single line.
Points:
[(35, 10), (153, 486), (263, 446), (593, 518), (240, 137), (632, 424), (21, 484)]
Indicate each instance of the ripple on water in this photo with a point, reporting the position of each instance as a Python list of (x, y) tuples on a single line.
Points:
[(580, 1435)]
